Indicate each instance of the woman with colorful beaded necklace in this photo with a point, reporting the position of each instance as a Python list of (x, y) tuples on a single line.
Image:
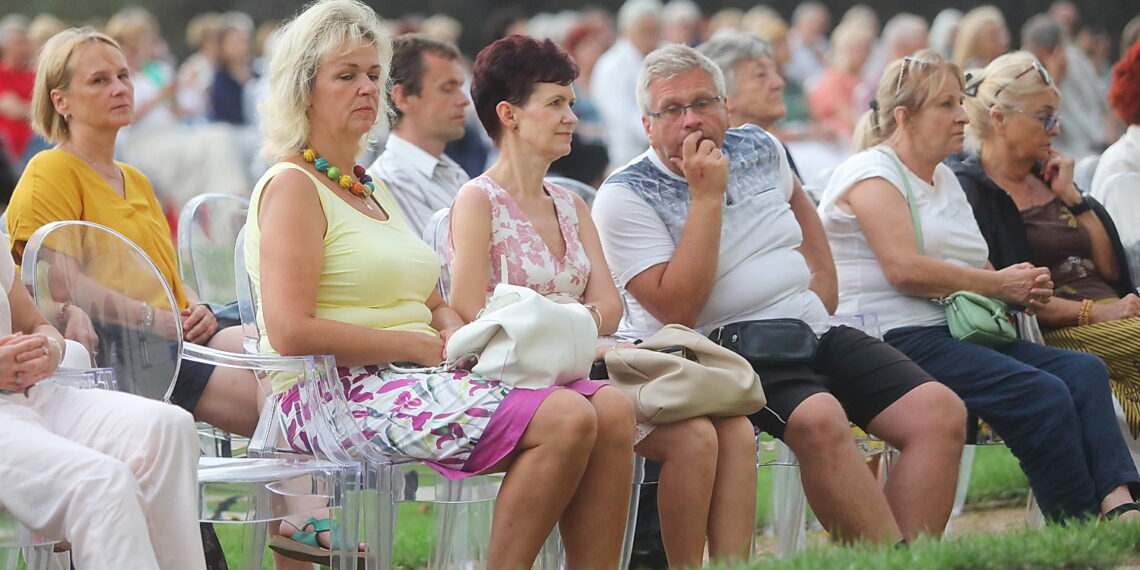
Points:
[(341, 272)]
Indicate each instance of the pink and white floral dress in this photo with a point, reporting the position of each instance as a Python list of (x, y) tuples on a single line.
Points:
[(519, 256)]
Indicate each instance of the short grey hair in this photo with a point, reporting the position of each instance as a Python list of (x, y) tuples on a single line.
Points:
[(319, 31), (633, 11), (728, 50), (670, 61), (1041, 32)]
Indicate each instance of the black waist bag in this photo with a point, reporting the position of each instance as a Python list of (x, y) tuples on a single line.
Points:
[(769, 341)]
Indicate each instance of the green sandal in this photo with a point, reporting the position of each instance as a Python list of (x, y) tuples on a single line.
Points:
[(304, 546)]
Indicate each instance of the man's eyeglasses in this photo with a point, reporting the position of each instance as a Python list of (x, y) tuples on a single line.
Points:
[(1041, 72), (1048, 120), (701, 107)]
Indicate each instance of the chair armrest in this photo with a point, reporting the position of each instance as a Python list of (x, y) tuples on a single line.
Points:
[(102, 378), (333, 432)]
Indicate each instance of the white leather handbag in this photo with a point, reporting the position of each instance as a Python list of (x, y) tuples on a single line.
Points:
[(526, 340)]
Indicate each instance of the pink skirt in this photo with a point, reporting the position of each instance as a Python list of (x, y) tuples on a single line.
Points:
[(457, 422)]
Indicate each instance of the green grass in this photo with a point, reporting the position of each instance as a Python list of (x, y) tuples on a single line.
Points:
[(1091, 546), (996, 477)]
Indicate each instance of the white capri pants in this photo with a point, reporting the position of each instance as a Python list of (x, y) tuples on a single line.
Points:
[(113, 473)]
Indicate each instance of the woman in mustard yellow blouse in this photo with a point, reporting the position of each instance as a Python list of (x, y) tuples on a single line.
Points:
[(83, 96)]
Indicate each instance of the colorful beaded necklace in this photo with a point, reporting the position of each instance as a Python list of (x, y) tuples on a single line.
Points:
[(362, 188)]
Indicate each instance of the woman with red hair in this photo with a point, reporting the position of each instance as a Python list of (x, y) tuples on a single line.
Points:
[(1124, 154)]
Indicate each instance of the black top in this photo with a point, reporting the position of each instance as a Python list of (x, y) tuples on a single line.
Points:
[(1002, 227)]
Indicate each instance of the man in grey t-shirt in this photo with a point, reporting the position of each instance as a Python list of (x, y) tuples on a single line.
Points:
[(709, 227)]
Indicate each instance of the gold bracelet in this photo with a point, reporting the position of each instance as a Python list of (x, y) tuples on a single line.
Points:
[(1085, 313)]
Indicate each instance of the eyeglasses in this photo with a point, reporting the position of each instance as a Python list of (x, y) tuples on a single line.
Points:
[(902, 70), (1048, 120), (701, 107), (1041, 72)]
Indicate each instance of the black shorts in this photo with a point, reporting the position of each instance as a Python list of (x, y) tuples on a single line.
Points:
[(865, 374), (192, 378)]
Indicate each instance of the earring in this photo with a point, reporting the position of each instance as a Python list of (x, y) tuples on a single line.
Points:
[(515, 127)]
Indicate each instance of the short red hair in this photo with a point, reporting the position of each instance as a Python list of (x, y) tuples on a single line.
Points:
[(1124, 95)]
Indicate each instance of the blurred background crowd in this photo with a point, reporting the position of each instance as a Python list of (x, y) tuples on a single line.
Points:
[(199, 75)]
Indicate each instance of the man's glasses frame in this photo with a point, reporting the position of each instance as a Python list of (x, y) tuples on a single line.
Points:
[(700, 106)]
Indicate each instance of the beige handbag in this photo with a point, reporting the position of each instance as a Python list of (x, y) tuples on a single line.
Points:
[(666, 387)]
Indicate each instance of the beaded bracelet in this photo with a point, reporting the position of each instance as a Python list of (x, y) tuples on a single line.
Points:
[(1085, 313), (55, 344)]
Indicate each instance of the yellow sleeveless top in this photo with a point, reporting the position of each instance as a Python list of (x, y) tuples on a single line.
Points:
[(376, 274)]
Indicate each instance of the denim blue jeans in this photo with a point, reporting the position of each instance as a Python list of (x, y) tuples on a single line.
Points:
[(1052, 407)]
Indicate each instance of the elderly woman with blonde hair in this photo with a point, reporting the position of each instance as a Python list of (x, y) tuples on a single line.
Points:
[(339, 271), (1029, 210)]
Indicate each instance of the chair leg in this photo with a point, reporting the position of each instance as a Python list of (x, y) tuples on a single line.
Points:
[(789, 505), (965, 467), (38, 557), (631, 517)]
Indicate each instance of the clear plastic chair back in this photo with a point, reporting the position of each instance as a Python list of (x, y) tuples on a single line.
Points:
[(207, 229), (126, 318)]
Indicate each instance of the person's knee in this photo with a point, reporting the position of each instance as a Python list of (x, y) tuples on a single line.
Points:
[(567, 420), (615, 419), (693, 440), (818, 424), (735, 435), (944, 414), (104, 484)]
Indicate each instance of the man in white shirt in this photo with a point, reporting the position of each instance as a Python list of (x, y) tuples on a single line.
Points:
[(612, 86), (428, 99), (708, 228)]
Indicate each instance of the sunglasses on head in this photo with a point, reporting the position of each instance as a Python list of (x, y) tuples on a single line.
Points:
[(1041, 72), (902, 70)]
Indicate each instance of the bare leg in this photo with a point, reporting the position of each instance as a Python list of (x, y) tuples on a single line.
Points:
[(732, 513), (841, 490), (594, 522), (928, 427), (231, 400), (687, 451), (1117, 497), (543, 474)]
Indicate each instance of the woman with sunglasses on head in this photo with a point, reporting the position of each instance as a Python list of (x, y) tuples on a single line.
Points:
[(902, 234), (1029, 210)]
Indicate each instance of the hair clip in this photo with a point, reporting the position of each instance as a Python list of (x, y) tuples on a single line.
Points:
[(875, 105)]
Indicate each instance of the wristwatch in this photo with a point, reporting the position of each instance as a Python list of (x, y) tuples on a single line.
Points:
[(1080, 207)]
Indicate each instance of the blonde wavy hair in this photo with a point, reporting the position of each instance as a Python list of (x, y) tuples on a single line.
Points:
[(1005, 81), (908, 83), (324, 28), (54, 72)]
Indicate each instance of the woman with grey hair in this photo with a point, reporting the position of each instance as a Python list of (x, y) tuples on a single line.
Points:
[(340, 272)]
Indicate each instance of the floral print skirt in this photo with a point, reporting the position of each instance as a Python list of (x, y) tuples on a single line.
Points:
[(458, 422)]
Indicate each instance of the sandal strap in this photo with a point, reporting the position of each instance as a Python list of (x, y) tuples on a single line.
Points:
[(1120, 510), (319, 525)]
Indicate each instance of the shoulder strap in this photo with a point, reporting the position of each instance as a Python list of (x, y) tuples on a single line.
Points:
[(914, 219)]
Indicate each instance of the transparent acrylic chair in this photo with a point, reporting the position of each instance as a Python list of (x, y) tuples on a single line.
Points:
[(585, 191), (130, 308), (208, 226), (461, 508)]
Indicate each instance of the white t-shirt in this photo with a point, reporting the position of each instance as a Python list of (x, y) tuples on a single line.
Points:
[(949, 233), (760, 274)]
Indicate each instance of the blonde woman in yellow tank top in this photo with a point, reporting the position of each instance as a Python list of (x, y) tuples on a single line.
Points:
[(340, 272)]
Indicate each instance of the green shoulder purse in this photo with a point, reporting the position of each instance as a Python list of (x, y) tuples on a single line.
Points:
[(972, 317)]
